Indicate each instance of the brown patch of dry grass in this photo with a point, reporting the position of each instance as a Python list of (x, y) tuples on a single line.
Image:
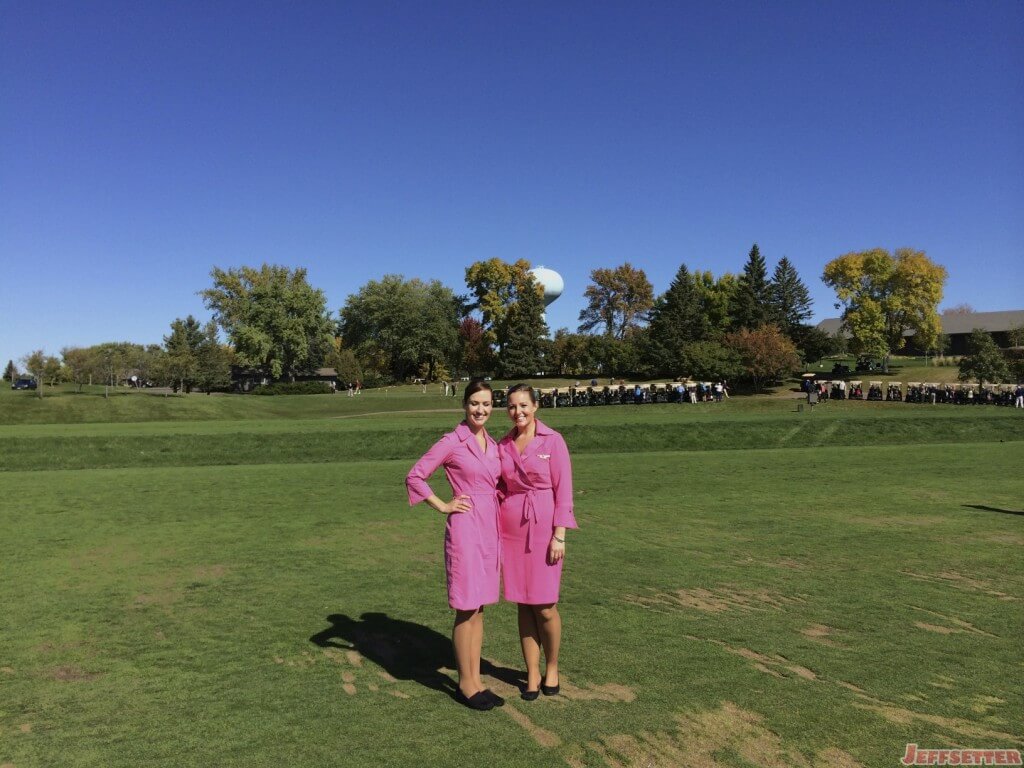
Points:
[(961, 582), (958, 625), (820, 633), (699, 741), (542, 736)]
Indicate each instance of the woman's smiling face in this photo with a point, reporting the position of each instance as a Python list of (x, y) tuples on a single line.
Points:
[(521, 409), (478, 408)]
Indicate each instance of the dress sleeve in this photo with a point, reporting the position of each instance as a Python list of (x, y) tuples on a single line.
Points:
[(416, 480), (561, 484)]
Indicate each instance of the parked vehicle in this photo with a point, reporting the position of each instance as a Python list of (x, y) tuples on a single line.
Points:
[(23, 384)]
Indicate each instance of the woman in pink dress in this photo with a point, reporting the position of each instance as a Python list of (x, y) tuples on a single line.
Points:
[(536, 510), (470, 460)]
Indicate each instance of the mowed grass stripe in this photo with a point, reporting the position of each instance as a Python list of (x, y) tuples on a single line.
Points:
[(312, 445)]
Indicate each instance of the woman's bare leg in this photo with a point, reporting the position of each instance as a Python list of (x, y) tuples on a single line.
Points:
[(530, 639), (467, 649), (478, 645), (549, 624)]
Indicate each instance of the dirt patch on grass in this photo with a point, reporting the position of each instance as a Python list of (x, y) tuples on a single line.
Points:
[(961, 582), (820, 633), (894, 521), (703, 740), (25, 728), (7, 670), (714, 600), (774, 665), (542, 736), (69, 673), (901, 716), (952, 625)]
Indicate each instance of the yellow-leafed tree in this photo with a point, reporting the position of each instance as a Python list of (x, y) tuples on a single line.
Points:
[(883, 295)]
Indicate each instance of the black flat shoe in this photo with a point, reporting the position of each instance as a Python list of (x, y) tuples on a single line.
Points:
[(478, 701), (526, 695), (494, 698), (550, 690)]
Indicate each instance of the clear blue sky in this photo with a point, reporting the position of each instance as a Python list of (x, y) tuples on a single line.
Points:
[(144, 143)]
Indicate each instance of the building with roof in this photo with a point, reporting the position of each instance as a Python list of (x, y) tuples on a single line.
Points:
[(958, 327)]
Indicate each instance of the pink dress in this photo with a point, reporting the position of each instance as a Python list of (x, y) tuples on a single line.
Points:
[(470, 538), (537, 487)]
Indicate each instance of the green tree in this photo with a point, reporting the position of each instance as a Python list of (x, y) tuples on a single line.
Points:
[(181, 364), (790, 299), (753, 301), (766, 353), (678, 319), (570, 353), (35, 364), (10, 372), (274, 318), (344, 361), (812, 343), (396, 325), (710, 361), (524, 351), (213, 361), (80, 364), (984, 361), (883, 295), (717, 298), (618, 299), (617, 357), (496, 287)]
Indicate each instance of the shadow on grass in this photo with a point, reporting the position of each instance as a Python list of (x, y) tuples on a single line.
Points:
[(983, 508), (404, 649)]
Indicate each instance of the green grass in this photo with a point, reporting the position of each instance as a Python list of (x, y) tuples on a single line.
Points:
[(759, 607)]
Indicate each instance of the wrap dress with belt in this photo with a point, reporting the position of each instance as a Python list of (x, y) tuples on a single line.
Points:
[(537, 498), (471, 554)]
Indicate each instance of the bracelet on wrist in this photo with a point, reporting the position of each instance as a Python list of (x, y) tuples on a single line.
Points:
[(560, 541)]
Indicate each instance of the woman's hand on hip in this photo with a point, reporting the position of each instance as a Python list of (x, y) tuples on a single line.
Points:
[(456, 505), (556, 551)]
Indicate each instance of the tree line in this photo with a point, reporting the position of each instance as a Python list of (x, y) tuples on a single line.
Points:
[(751, 326)]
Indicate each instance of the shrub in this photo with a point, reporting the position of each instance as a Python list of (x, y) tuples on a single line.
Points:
[(295, 388)]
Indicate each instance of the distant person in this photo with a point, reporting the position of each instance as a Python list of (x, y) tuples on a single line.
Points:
[(1019, 396), (719, 391), (536, 510), (471, 463)]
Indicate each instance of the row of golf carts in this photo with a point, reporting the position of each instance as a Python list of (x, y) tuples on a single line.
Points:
[(914, 392), (636, 394)]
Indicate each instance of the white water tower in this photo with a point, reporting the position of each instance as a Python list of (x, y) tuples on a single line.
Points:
[(550, 281)]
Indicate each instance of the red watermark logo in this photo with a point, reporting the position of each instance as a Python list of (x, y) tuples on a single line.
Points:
[(917, 756)]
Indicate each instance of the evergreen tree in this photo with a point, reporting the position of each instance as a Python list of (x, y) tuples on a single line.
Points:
[(523, 354), (753, 301), (213, 362), (678, 319), (183, 347), (10, 372), (790, 299)]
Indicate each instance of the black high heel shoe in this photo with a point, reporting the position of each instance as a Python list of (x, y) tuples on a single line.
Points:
[(478, 701), (550, 690), (527, 695)]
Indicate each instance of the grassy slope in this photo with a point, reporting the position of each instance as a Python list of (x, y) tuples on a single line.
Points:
[(160, 614)]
